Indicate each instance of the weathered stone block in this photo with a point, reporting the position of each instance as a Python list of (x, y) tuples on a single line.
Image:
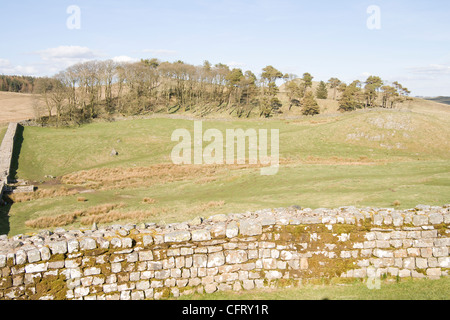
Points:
[(177, 236), (137, 295), (443, 262), (436, 218), (409, 263), (21, 257), (250, 228), (383, 253), (429, 234), (310, 220), (218, 230), (420, 220), (162, 274), (440, 252), (404, 273), (33, 268), (397, 220), (423, 243), (88, 244), (145, 255), (58, 247), (401, 253), (434, 273), (211, 288), (216, 259), (232, 230), (236, 256), (73, 245), (201, 235), (200, 261), (45, 253), (248, 284), (382, 244), (382, 235), (273, 274), (421, 263), (92, 271)]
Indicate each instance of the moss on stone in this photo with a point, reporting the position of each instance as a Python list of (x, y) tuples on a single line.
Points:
[(442, 229), (95, 252), (57, 257), (52, 286)]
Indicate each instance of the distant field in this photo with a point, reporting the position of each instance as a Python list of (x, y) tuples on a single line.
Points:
[(16, 107), (3, 128), (363, 158)]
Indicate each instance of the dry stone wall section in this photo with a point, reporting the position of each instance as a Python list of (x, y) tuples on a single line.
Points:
[(266, 248), (6, 152)]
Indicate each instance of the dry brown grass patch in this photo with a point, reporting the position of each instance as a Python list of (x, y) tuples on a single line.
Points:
[(121, 178), (363, 160), (69, 218), (42, 194), (120, 215), (204, 207), (149, 200)]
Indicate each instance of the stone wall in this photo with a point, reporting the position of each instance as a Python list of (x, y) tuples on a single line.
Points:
[(278, 247), (6, 153)]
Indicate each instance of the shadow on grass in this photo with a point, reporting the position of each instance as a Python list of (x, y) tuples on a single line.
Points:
[(16, 153), (4, 218), (5, 204)]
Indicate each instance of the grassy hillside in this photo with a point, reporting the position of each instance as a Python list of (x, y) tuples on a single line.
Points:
[(374, 158)]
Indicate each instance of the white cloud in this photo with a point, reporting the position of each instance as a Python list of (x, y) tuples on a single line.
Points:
[(124, 59), (160, 52), (432, 69), (62, 57), (7, 68), (4, 63), (62, 53)]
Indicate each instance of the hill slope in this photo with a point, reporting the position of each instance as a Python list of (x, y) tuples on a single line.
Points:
[(364, 158), (16, 107)]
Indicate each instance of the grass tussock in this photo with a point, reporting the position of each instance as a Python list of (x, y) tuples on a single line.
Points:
[(42, 194), (115, 215), (362, 160), (204, 207), (69, 218), (121, 178), (107, 213), (149, 200)]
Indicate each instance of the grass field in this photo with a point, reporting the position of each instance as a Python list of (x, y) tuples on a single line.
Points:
[(403, 290), (363, 158)]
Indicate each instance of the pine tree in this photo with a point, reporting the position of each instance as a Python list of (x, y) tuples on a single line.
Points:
[(310, 106), (322, 91), (334, 84)]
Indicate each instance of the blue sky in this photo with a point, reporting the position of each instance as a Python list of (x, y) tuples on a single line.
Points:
[(325, 38)]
